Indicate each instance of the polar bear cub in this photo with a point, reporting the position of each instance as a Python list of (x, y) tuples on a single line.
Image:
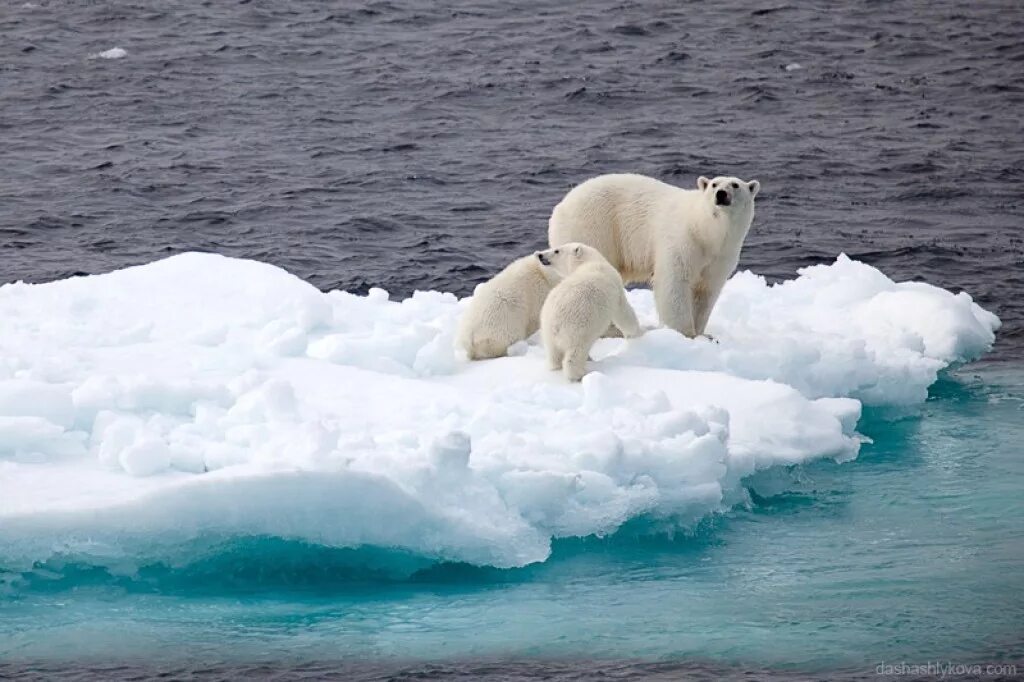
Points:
[(685, 243), (506, 309), (581, 307)]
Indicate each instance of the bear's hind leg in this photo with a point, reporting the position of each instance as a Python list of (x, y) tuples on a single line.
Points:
[(555, 354), (487, 348), (574, 365)]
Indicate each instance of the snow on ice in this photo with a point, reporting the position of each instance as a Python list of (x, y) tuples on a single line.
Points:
[(201, 396)]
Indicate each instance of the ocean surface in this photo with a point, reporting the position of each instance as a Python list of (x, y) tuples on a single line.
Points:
[(417, 145), (910, 555), (414, 145)]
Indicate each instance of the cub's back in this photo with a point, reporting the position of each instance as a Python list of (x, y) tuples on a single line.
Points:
[(587, 294)]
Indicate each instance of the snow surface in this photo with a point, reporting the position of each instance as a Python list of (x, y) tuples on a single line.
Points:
[(153, 409)]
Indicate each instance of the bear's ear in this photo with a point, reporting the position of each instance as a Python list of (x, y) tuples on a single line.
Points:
[(577, 250), (754, 187), (702, 183)]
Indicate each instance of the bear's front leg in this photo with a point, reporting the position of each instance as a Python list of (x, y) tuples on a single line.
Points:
[(673, 297), (705, 295)]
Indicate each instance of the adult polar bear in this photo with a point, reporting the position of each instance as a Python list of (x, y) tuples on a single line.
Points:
[(685, 243)]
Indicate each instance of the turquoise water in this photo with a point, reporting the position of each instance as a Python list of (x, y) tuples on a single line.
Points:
[(914, 552)]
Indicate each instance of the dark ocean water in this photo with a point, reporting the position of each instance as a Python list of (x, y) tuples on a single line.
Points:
[(411, 145), (419, 145)]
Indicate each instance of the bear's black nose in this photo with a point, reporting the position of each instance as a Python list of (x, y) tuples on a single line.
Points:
[(542, 259), (722, 198)]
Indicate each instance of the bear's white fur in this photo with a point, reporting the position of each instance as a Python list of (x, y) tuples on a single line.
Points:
[(684, 243), (581, 307), (506, 309)]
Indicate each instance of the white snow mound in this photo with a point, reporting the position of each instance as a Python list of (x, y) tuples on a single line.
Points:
[(197, 397)]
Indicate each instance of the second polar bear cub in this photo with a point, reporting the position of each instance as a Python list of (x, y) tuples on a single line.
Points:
[(684, 242), (581, 307)]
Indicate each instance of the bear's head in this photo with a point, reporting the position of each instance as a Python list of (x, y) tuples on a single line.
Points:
[(567, 257), (728, 193), (546, 267)]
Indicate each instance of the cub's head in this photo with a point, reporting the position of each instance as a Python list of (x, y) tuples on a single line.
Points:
[(567, 257), (546, 267), (729, 193)]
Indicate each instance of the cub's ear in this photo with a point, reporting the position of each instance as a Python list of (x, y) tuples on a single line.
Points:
[(754, 187), (577, 250), (702, 183)]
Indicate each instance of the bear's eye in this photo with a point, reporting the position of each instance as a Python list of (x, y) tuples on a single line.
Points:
[(714, 185), (556, 250), (735, 185)]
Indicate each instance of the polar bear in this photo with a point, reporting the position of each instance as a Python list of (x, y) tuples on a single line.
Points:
[(581, 307), (685, 243), (506, 308)]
